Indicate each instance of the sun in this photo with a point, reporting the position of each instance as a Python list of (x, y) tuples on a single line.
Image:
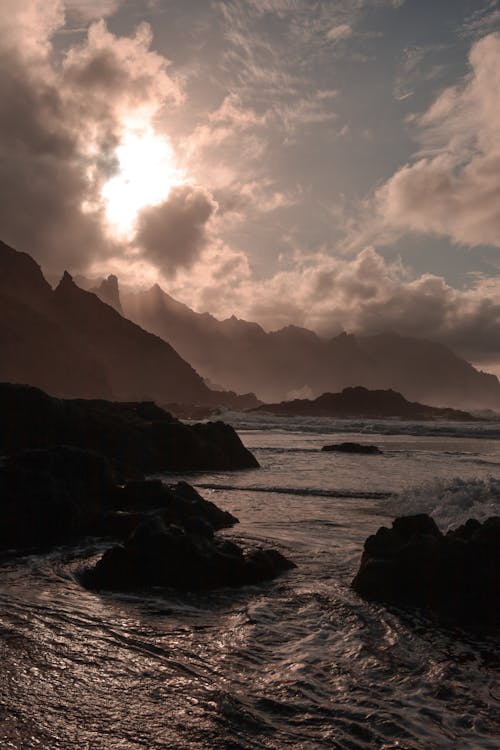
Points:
[(146, 174)]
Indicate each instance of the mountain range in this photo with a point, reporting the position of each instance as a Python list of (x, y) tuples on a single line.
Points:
[(70, 343), (96, 343), (295, 362)]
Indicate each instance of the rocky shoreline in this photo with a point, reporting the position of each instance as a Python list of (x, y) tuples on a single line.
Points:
[(455, 576), (71, 469)]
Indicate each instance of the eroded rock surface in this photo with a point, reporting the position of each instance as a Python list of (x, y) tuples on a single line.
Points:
[(456, 575), (185, 558)]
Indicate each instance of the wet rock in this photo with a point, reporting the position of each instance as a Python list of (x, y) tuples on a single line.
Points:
[(168, 555), (58, 495), (456, 575), (137, 437), (368, 450), (52, 496), (178, 504)]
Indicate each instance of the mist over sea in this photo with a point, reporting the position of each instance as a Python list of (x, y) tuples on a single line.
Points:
[(301, 662)]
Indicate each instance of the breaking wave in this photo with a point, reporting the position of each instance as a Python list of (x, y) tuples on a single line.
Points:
[(449, 502)]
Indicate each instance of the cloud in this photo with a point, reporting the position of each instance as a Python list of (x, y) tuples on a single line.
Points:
[(481, 20), (88, 10), (62, 117), (174, 233), (453, 186), (337, 33)]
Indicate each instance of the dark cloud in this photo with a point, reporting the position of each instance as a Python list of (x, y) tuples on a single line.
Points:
[(174, 233), (60, 123), (42, 172)]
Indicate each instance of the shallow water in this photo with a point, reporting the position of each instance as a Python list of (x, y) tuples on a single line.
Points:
[(301, 662)]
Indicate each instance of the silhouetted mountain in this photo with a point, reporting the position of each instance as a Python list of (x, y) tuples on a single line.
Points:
[(361, 403), (70, 343), (37, 348), (109, 293), (136, 363), (294, 361)]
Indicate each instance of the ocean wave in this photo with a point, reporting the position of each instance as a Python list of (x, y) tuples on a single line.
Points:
[(449, 502), (251, 423)]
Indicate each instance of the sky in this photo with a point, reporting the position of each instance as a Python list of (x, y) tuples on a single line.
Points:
[(332, 164)]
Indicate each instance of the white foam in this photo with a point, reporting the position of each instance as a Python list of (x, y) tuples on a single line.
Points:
[(449, 502)]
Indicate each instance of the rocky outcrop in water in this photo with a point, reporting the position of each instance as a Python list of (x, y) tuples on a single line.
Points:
[(361, 403), (157, 554), (57, 494), (60, 494), (456, 575), (137, 437), (178, 504), (364, 450), (52, 496)]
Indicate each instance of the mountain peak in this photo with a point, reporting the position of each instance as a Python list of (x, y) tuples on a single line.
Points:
[(66, 280), (109, 292), (21, 276)]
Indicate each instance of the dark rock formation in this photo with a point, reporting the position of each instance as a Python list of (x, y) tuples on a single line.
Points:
[(52, 496), (456, 575), (136, 437), (178, 504), (60, 494), (138, 364), (360, 403), (368, 450), (157, 554)]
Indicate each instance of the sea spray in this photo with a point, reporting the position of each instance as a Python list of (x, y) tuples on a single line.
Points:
[(449, 502)]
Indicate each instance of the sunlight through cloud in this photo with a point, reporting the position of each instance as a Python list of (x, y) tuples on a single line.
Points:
[(146, 174)]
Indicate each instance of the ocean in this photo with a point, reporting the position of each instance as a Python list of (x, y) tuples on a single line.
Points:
[(301, 662)]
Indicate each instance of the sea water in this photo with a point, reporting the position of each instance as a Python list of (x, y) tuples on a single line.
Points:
[(300, 662)]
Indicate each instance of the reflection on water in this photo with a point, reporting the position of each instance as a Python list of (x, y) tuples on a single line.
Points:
[(301, 662)]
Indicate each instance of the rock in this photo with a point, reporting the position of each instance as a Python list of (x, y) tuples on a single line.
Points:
[(52, 496), (58, 495), (456, 575), (137, 437), (361, 403), (157, 554), (177, 504), (352, 448)]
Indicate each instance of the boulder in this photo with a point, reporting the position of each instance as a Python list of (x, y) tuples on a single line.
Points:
[(52, 496), (58, 495), (184, 558), (137, 437), (368, 450), (456, 575), (178, 504)]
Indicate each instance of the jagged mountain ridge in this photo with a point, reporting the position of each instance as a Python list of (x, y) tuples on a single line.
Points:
[(72, 344), (291, 362)]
